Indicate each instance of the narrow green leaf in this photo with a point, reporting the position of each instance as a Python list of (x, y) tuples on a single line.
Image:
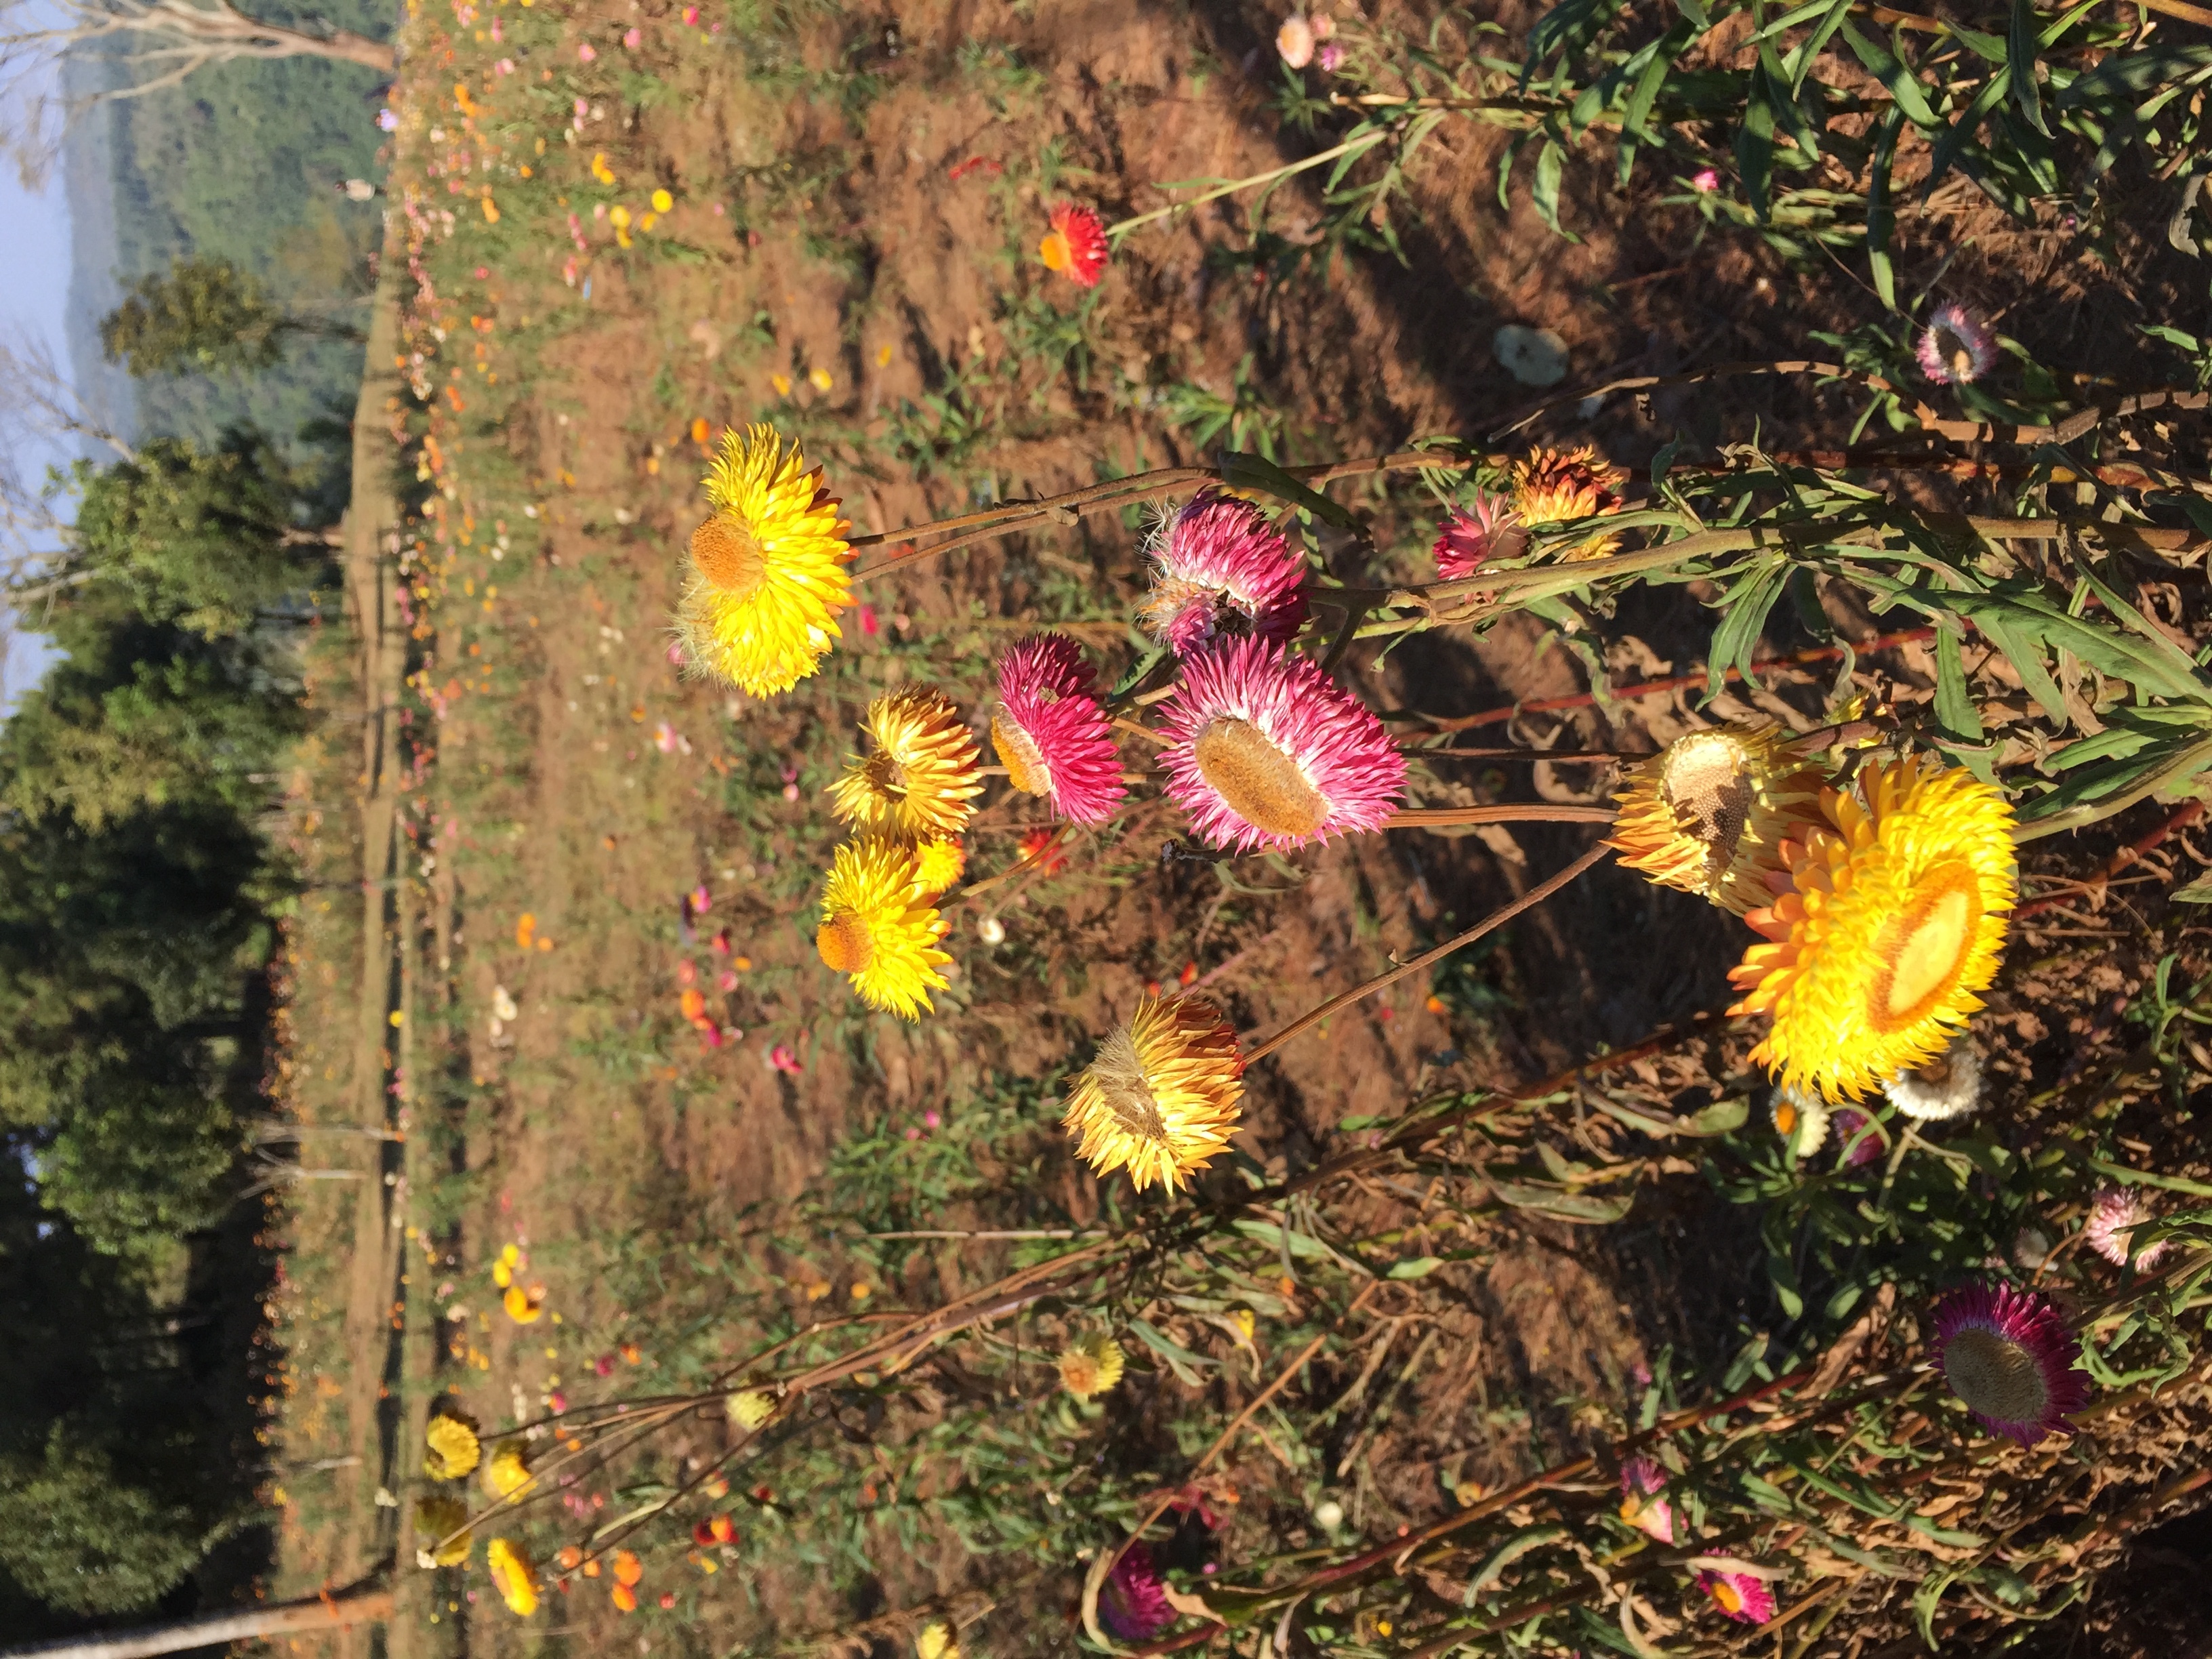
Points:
[(1754, 148), (1955, 704), (1504, 1555), (1904, 86), (1180, 1360), (1419, 1267), (1881, 212), (1243, 472), (1586, 1207), (1961, 133), (2022, 46), (1551, 164)]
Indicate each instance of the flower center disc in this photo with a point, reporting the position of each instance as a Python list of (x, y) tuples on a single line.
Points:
[(1053, 252), (886, 777), (1119, 1075), (1707, 778), (1728, 1596), (1998, 1378), (1262, 785), (1019, 753), (729, 558), (1922, 950), (846, 943)]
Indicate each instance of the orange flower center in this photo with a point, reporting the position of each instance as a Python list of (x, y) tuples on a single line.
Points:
[(1729, 1597), (1019, 753), (1922, 948), (1054, 252), (729, 558), (1262, 785), (846, 943), (1996, 1378)]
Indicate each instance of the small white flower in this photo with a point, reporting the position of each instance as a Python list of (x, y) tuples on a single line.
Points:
[(991, 930)]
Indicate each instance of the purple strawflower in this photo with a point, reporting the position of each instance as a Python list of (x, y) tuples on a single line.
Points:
[(2114, 1215), (1742, 1595), (2009, 1355), (1471, 535), (1133, 1603), (1956, 347), (1858, 1147), (1641, 1480)]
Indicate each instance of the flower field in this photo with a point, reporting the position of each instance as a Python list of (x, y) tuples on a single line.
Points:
[(1194, 830)]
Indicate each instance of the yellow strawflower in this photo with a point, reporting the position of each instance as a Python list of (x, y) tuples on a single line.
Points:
[(440, 1517), (1161, 1099), (936, 1642), (938, 864), (919, 778), (767, 581), (1550, 486), (1709, 813), (451, 1446), (1895, 918), (512, 1575), (1091, 1367), (878, 929), (506, 1472), (751, 1407)]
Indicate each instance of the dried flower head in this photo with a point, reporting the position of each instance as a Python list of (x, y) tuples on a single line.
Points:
[(1956, 347), (451, 1447), (2009, 1355), (1050, 732), (879, 930), (1265, 750), (1709, 812), (751, 1407), (1949, 1086), (1091, 1367), (766, 577), (1161, 1097), (1219, 570), (1076, 245), (1894, 918), (1294, 42), (1553, 486), (919, 778)]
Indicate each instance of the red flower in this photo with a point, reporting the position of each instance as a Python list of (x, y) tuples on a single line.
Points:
[(1076, 245), (1041, 849)]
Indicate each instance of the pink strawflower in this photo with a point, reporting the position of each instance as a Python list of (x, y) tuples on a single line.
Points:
[(1470, 536), (1323, 26), (2114, 1215), (586, 52), (1641, 1480), (1744, 1598), (1265, 750), (1132, 1602), (1858, 1148), (2009, 1355), (1294, 41), (1220, 569), (781, 1059), (1051, 735), (1329, 58), (1956, 347), (633, 38), (1705, 181)]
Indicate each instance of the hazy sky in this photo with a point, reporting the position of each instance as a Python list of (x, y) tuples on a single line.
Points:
[(35, 272)]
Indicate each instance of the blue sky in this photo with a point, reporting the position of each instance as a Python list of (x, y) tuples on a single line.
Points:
[(34, 273)]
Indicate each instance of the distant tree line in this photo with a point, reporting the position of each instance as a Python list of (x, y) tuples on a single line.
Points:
[(137, 892)]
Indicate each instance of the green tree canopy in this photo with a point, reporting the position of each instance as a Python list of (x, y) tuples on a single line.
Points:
[(82, 1530)]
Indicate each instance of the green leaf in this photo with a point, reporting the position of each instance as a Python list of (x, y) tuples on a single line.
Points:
[(1961, 133), (1754, 146), (1954, 705), (1298, 1244), (1551, 163), (2021, 47), (1419, 1267), (2199, 891), (1180, 1360), (1586, 1207), (1563, 28), (1242, 472), (1881, 212), (1902, 85), (1748, 603), (1722, 1117), (1504, 1555)]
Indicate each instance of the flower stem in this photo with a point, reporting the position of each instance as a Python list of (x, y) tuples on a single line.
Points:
[(1350, 147)]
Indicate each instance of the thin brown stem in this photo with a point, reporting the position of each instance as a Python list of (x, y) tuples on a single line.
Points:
[(1436, 817), (1495, 920)]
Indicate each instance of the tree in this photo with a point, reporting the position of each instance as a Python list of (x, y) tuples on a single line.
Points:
[(161, 42), (204, 316), (85, 1532)]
